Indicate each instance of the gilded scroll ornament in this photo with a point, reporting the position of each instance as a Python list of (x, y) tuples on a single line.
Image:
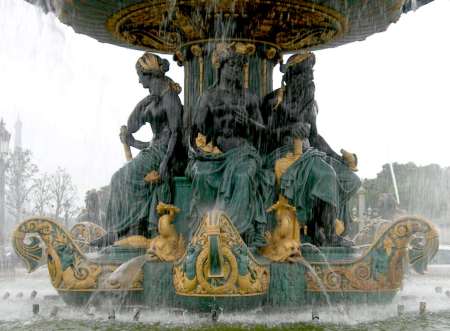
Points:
[(85, 232), (218, 263), (69, 268), (291, 25), (382, 266)]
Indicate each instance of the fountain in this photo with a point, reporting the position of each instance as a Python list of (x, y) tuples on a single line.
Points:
[(188, 230)]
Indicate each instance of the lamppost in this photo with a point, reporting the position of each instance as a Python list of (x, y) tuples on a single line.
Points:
[(5, 136)]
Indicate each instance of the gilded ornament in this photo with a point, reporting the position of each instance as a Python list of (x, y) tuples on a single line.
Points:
[(168, 245), (284, 242), (270, 53), (69, 268), (218, 263), (196, 50), (382, 266), (266, 21), (282, 164), (85, 232), (200, 141)]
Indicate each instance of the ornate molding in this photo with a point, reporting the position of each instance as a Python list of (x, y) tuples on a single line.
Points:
[(218, 263), (164, 26), (69, 269), (382, 266), (85, 232)]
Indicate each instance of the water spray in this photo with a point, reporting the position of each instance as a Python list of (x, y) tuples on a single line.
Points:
[(54, 312), (394, 181)]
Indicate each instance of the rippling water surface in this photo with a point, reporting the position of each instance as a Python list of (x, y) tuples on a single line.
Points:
[(16, 312)]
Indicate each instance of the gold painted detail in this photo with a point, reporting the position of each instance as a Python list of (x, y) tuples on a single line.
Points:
[(350, 159), (224, 50), (382, 266), (85, 232), (168, 245), (198, 52), (290, 24), (284, 242), (218, 263), (282, 164), (69, 268), (200, 141), (340, 227)]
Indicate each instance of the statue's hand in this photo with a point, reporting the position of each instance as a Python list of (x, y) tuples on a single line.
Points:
[(350, 159), (126, 137), (301, 130)]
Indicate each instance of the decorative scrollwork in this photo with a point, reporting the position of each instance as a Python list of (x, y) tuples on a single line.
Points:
[(218, 263), (308, 24), (409, 239), (85, 232), (69, 269)]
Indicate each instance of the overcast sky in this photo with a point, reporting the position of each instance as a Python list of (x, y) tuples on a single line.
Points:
[(386, 98)]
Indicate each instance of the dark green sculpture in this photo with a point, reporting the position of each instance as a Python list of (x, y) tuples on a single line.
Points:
[(321, 182), (232, 179), (144, 181)]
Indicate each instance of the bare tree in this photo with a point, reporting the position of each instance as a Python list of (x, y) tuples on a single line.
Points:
[(41, 196), (19, 181), (62, 191)]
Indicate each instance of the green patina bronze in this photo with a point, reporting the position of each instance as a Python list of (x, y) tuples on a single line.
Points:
[(228, 53), (231, 181), (133, 201)]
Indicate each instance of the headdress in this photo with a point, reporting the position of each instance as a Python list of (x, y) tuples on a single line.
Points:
[(299, 62), (151, 63)]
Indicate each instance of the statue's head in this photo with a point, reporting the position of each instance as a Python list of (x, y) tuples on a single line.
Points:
[(299, 66), (151, 70), (152, 64), (230, 58), (91, 200)]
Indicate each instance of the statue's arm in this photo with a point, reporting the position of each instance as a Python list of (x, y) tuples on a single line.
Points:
[(200, 119), (136, 120), (174, 113)]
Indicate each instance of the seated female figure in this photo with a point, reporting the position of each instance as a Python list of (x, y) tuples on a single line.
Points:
[(140, 184)]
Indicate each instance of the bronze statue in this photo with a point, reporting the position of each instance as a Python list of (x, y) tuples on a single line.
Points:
[(92, 212), (231, 178), (138, 187), (290, 113)]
